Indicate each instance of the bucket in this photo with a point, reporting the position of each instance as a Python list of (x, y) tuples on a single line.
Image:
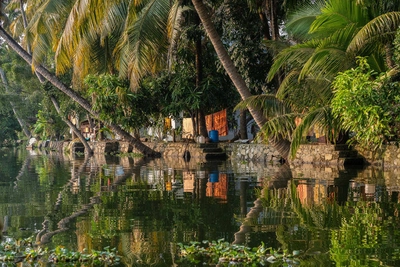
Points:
[(214, 176), (213, 135)]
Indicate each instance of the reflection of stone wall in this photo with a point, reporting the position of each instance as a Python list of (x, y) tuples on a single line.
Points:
[(388, 156), (310, 171)]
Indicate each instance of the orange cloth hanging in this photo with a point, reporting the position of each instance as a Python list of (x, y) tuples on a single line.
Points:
[(218, 121)]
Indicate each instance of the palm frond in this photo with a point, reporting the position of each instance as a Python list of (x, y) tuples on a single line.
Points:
[(381, 29), (71, 36), (288, 85), (301, 94), (292, 57), (300, 21), (321, 117), (330, 56), (337, 14), (173, 26), (324, 63), (281, 126), (146, 39), (268, 103)]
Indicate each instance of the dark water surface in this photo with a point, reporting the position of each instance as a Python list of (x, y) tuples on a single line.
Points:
[(327, 215)]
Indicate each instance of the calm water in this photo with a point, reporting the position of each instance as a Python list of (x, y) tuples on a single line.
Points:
[(330, 216)]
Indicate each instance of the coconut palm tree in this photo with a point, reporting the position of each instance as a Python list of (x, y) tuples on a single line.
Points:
[(43, 41), (330, 36), (280, 144), (73, 95)]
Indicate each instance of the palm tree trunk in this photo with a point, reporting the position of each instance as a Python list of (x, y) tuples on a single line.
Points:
[(279, 144), (88, 149), (74, 95), (243, 125), (20, 121)]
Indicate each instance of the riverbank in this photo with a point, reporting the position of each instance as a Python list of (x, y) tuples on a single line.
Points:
[(315, 154)]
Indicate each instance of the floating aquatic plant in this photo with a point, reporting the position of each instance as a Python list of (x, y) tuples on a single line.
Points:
[(13, 251), (222, 253)]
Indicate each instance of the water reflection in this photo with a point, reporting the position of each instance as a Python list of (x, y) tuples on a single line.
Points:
[(334, 216)]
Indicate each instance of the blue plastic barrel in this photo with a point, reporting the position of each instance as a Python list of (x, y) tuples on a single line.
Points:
[(213, 135), (214, 176)]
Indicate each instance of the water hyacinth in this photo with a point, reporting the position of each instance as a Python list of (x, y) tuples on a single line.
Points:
[(13, 251), (222, 253)]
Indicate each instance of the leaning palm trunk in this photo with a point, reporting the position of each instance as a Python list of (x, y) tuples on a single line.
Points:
[(74, 95), (88, 149), (20, 121), (279, 180), (281, 145)]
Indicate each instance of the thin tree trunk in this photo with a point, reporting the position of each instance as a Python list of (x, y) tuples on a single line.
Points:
[(243, 125), (273, 19), (265, 26), (74, 95), (20, 121), (88, 149), (271, 7), (201, 119), (90, 121), (280, 144)]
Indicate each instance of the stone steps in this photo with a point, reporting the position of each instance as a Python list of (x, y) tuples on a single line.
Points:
[(348, 156), (213, 152)]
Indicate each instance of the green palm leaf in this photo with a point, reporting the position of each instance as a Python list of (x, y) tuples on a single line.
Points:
[(321, 117), (268, 103), (299, 22), (382, 29), (147, 40), (280, 126), (292, 57), (337, 14)]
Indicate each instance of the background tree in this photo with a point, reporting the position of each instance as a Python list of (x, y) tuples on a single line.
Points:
[(244, 31), (21, 89)]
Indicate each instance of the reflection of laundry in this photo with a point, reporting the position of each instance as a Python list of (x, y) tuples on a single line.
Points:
[(219, 189), (218, 121), (187, 128)]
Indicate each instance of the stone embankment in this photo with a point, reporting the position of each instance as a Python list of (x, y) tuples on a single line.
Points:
[(311, 154)]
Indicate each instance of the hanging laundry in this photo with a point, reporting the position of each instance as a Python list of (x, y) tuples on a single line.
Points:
[(218, 121)]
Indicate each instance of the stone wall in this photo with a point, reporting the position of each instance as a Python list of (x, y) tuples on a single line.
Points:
[(323, 154), (312, 154), (251, 152)]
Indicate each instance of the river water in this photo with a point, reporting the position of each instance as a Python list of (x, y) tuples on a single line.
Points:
[(328, 215)]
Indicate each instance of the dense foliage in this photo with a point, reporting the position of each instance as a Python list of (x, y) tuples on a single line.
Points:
[(115, 102), (367, 103)]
